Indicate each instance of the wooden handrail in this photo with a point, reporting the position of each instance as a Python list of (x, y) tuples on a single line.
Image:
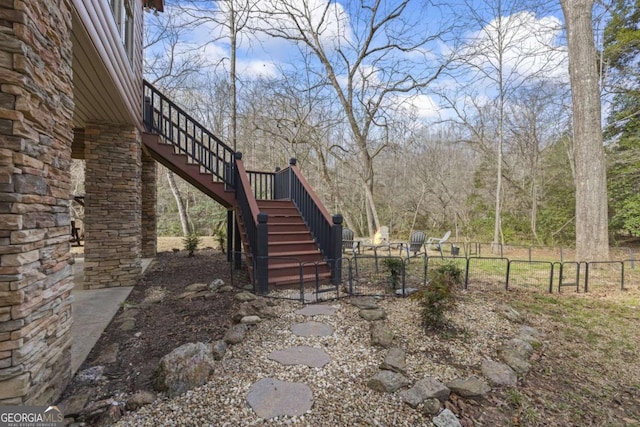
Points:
[(244, 181)]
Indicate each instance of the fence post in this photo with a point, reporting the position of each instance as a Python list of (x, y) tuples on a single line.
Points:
[(466, 274), (262, 254), (586, 277), (335, 249), (506, 282), (551, 280), (230, 219)]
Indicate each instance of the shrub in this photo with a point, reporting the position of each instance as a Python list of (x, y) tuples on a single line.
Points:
[(440, 295), (394, 267), (221, 237), (191, 243)]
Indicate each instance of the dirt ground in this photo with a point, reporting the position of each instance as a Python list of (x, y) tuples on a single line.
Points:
[(584, 376)]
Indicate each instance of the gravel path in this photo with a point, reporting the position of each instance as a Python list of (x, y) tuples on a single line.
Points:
[(341, 396)]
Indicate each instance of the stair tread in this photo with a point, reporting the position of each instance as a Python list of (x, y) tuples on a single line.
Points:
[(296, 265)]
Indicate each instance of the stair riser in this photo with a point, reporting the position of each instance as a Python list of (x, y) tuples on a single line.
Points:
[(267, 204), (287, 227), (287, 220), (279, 247), (281, 211), (273, 238)]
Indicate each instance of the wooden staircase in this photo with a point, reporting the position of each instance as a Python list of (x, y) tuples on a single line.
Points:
[(184, 147), (294, 256)]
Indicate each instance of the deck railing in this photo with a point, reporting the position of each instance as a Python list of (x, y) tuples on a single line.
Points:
[(163, 116)]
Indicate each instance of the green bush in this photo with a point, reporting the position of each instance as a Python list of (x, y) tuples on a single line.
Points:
[(191, 243), (394, 267), (440, 295)]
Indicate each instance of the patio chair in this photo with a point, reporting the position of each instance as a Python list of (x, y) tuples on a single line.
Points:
[(435, 243), (348, 241), (414, 245)]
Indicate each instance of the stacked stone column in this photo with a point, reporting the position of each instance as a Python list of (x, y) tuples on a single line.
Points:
[(113, 205), (36, 108)]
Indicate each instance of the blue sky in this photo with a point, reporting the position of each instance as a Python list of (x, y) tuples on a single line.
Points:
[(531, 33)]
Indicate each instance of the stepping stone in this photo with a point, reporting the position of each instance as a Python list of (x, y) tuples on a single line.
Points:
[(302, 355), (271, 398), (317, 310), (311, 329)]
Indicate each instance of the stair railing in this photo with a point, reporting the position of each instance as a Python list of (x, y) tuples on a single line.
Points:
[(163, 116), (327, 230), (255, 225)]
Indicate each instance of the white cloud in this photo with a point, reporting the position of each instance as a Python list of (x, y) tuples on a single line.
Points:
[(423, 106), (524, 45)]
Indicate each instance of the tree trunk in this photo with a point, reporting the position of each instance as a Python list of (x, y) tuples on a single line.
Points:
[(182, 211), (592, 238)]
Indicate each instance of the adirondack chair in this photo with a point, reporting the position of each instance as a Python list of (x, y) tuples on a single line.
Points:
[(414, 245), (348, 242), (435, 243)]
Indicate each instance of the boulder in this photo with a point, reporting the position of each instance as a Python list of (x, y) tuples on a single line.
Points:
[(387, 381), (509, 313), (245, 296), (235, 334), (431, 406), (364, 303), (373, 314), (381, 335), (215, 284), (426, 388), (218, 349), (186, 367), (196, 287), (499, 373), (469, 387), (140, 399), (446, 418), (250, 320), (516, 353), (395, 361)]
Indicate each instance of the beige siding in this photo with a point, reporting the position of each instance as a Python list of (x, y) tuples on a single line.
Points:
[(107, 85)]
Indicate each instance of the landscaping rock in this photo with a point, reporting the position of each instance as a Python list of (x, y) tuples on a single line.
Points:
[(531, 335), (516, 353), (470, 387), (431, 406), (74, 404), (271, 398), (218, 349), (235, 334), (226, 288), (446, 418), (197, 287), (381, 335), (108, 355), (364, 303), (499, 373), (302, 355), (373, 314), (91, 375), (250, 320), (509, 313), (140, 399), (395, 361), (186, 367), (257, 307), (426, 388), (387, 381), (216, 284), (407, 292), (245, 296)]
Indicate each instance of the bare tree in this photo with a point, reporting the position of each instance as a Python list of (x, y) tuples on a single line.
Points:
[(370, 55), (509, 47), (592, 237)]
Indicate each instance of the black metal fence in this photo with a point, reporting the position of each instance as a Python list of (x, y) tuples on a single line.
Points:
[(379, 273)]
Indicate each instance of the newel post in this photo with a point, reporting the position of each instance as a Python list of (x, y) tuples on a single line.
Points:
[(262, 254), (335, 249), (292, 163)]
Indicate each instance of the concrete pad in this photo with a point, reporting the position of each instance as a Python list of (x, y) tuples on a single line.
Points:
[(92, 312)]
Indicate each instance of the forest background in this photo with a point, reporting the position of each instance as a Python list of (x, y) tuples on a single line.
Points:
[(427, 116)]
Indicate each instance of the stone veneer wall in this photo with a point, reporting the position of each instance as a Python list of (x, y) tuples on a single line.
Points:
[(36, 108), (149, 201), (112, 212)]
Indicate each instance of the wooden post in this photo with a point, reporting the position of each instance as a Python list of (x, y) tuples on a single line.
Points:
[(335, 250), (262, 254)]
